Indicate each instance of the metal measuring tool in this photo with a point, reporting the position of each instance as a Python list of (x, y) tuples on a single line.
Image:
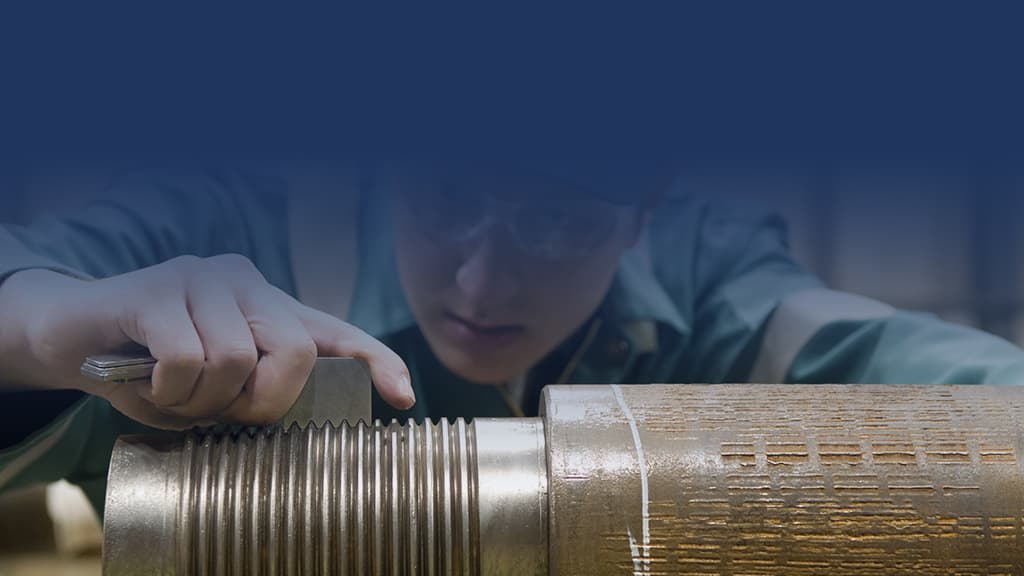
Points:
[(337, 390)]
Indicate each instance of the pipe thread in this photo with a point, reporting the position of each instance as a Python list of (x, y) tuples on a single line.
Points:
[(364, 499)]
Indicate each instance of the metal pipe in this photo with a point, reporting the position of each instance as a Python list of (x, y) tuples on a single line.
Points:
[(413, 499), (654, 479)]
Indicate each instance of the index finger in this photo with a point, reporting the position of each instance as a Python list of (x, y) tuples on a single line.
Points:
[(334, 337)]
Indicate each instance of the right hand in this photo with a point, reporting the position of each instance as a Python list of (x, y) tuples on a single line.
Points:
[(229, 346)]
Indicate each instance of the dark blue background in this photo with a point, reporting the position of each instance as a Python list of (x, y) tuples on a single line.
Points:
[(818, 92), (731, 86)]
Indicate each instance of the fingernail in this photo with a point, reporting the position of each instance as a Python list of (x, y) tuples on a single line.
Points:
[(407, 391)]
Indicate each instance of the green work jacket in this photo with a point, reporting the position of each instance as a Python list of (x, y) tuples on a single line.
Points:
[(709, 295)]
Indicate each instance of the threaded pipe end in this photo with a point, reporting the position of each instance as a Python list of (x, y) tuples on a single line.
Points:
[(364, 499), (378, 499)]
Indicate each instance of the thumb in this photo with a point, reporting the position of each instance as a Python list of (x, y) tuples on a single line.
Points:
[(333, 337)]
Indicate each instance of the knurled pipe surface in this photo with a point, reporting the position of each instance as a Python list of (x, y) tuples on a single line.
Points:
[(765, 480), (371, 500)]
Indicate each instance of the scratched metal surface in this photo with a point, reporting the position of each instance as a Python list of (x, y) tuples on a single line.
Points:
[(773, 479)]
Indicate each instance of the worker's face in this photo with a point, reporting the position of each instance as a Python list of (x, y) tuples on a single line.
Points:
[(499, 270)]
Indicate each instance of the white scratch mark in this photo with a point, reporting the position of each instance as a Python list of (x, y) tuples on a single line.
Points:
[(634, 550), (644, 554)]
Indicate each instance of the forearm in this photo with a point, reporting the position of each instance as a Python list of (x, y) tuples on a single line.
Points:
[(907, 348), (31, 394), (28, 301), (20, 365), (43, 299)]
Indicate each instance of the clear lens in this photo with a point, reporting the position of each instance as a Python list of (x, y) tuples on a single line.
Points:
[(549, 229), (561, 231)]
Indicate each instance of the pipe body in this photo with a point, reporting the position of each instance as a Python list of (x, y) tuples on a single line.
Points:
[(785, 480), (653, 479)]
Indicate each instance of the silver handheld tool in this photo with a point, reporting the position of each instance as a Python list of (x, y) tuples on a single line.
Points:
[(337, 390)]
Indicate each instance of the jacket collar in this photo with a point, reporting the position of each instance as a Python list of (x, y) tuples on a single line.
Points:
[(636, 296)]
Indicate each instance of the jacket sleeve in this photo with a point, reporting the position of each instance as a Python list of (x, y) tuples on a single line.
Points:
[(904, 348), (145, 220), (141, 221), (760, 317)]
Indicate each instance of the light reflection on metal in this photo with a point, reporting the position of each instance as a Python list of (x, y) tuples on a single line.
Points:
[(752, 479)]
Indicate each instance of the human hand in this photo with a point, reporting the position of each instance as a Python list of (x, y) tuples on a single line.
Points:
[(229, 346)]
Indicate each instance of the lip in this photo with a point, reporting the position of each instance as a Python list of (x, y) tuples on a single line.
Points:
[(470, 333)]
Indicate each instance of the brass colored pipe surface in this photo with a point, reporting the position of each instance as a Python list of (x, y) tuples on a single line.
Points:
[(785, 480), (653, 479)]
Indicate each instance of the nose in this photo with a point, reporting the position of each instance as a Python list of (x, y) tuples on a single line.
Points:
[(486, 276)]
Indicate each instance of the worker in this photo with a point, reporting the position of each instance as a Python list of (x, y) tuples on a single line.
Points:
[(465, 289)]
